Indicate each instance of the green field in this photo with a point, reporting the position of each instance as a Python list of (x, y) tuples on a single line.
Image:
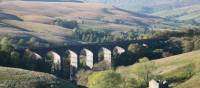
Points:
[(174, 67), (19, 78)]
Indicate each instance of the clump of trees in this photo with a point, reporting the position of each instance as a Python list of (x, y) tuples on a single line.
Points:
[(101, 35), (90, 35), (8, 56), (110, 79), (185, 44), (107, 79), (146, 71), (66, 23), (135, 48), (31, 42)]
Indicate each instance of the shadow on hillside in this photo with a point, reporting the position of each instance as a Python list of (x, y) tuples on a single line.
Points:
[(7, 16), (136, 14)]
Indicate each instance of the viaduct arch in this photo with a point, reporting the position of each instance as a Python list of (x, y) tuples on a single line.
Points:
[(90, 52)]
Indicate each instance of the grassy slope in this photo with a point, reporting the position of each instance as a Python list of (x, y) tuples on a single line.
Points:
[(94, 15), (194, 82), (34, 12), (29, 18), (51, 33), (16, 25), (172, 67), (45, 0), (185, 13), (128, 4), (20, 78), (137, 5)]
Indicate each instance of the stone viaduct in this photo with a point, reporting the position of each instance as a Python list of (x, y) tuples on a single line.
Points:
[(89, 51)]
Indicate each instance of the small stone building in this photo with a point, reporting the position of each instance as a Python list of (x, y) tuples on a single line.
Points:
[(158, 84)]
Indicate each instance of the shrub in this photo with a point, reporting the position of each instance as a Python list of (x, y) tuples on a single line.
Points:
[(135, 48), (105, 79), (66, 23)]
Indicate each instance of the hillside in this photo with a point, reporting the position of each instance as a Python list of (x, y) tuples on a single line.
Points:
[(14, 26), (183, 10), (142, 6), (18, 78), (93, 15), (147, 6), (24, 19), (46, 0), (189, 13), (173, 69)]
